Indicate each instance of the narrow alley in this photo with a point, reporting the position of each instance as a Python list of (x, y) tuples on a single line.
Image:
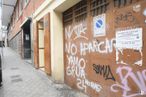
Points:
[(73, 48), (20, 79)]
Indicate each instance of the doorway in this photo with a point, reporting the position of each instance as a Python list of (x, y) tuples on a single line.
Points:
[(41, 44), (26, 40)]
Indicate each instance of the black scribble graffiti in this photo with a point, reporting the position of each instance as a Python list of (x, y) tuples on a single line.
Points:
[(104, 70), (125, 17)]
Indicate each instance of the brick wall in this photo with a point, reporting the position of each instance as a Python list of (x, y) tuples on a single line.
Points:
[(26, 12)]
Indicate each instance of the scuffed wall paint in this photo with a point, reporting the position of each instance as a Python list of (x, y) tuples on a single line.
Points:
[(129, 39)]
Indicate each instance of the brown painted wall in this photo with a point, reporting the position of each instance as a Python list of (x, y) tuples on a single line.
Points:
[(93, 62), (36, 55)]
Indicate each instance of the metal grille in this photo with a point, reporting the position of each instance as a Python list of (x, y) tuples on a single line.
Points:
[(98, 6), (80, 11), (68, 16), (120, 3), (76, 13)]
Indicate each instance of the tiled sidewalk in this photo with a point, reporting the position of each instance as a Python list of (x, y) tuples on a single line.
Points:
[(20, 79)]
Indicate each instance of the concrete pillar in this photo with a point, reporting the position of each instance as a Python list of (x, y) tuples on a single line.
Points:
[(57, 58)]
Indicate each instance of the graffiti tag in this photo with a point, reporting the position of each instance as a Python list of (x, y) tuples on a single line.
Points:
[(104, 70), (139, 78), (125, 17), (79, 30), (99, 47)]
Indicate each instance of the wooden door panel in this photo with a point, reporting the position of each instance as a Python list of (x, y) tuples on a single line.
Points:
[(35, 33), (47, 50)]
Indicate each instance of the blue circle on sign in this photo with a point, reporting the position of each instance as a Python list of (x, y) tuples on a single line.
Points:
[(99, 23)]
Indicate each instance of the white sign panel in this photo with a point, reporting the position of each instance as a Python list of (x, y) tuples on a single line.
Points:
[(26, 37), (130, 39), (99, 27)]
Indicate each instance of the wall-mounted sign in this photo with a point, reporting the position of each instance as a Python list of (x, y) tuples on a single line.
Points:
[(99, 27), (131, 39), (26, 37)]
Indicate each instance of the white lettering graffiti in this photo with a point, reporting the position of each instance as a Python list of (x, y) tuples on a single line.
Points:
[(79, 30), (100, 47), (93, 85), (71, 48), (140, 81), (81, 84), (76, 66)]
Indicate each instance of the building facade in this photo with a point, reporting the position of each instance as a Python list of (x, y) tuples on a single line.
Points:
[(20, 26), (94, 46)]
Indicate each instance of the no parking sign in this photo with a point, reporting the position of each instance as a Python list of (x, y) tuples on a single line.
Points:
[(99, 27)]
